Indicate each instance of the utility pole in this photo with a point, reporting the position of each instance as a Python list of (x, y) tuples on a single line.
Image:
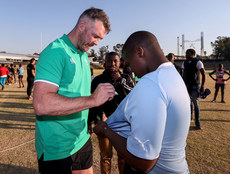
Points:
[(183, 51), (202, 44), (178, 46)]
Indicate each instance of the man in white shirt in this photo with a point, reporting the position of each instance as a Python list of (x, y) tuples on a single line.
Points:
[(150, 126)]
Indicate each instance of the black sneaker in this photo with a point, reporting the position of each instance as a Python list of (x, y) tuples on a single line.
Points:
[(199, 128), (222, 101)]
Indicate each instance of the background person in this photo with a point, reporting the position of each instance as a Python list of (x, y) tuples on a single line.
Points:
[(171, 58), (30, 77), (220, 81), (192, 68), (15, 74), (152, 122), (11, 74), (20, 76), (3, 75), (127, 69), (123, 84), (62, 97)]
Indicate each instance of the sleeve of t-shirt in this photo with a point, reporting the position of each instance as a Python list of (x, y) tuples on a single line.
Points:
[(182, 66), (199, 65), (146, 113), (50, 67)]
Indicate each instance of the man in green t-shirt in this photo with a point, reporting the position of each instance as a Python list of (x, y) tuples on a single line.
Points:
[(62, 97)]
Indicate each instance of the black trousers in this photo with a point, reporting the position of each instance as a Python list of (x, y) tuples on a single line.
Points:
[(30, 84)]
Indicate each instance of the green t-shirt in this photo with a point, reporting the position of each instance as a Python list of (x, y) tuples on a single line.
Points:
[(61, 64)]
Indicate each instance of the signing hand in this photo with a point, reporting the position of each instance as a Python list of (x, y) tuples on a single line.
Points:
[(104, 92)]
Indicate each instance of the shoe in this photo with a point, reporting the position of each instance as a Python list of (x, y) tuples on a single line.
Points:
[(223, 101), (213, 101), (30, 98), (199, 128), (2, 87)]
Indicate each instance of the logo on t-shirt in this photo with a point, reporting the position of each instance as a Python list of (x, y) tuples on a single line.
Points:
[(72, 61)]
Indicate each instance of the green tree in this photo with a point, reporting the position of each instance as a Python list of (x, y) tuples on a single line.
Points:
[(102, 52), (92, 53), (118, 48), (221, 47)]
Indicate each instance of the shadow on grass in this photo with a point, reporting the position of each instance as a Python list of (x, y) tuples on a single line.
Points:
[(14, 97), (215, 110), (16, 105), (215, 120), (7, 168), (12, 91), (17, 126), (13, 116)]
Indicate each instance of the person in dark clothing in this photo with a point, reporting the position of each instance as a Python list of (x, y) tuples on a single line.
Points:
[(192, 68), (30, 78), (171, 58), (123, 84), (127, 69)]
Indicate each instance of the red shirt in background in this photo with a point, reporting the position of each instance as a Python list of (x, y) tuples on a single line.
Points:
[(4, 71)]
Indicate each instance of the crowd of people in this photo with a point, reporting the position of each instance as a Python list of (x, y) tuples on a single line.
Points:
[(146, 121), (10, 74)]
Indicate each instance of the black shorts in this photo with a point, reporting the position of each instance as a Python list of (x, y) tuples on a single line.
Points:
[(82, 159)]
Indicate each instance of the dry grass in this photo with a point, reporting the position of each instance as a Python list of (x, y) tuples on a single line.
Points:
[(208, 150)]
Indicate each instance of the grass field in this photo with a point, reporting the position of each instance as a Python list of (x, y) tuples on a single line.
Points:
[(208, 150)]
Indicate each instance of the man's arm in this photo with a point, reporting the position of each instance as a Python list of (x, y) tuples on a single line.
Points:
[(48, 102), (33, 72), (202, 80), (119, 144)]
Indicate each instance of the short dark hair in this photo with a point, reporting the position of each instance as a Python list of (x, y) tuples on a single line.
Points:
[(110, 54), (31, 60), (140, 39), (192, 51), (97, 14), (169, 56)]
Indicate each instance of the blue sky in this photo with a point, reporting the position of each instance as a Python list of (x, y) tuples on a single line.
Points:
[(23, 21)]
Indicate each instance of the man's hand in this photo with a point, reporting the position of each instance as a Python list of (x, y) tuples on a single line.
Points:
[(201, 89), (100, 128), (90, 129), (104, 92), (116, 75)]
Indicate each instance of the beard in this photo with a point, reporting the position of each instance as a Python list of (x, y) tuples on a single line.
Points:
[(82, 44)]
